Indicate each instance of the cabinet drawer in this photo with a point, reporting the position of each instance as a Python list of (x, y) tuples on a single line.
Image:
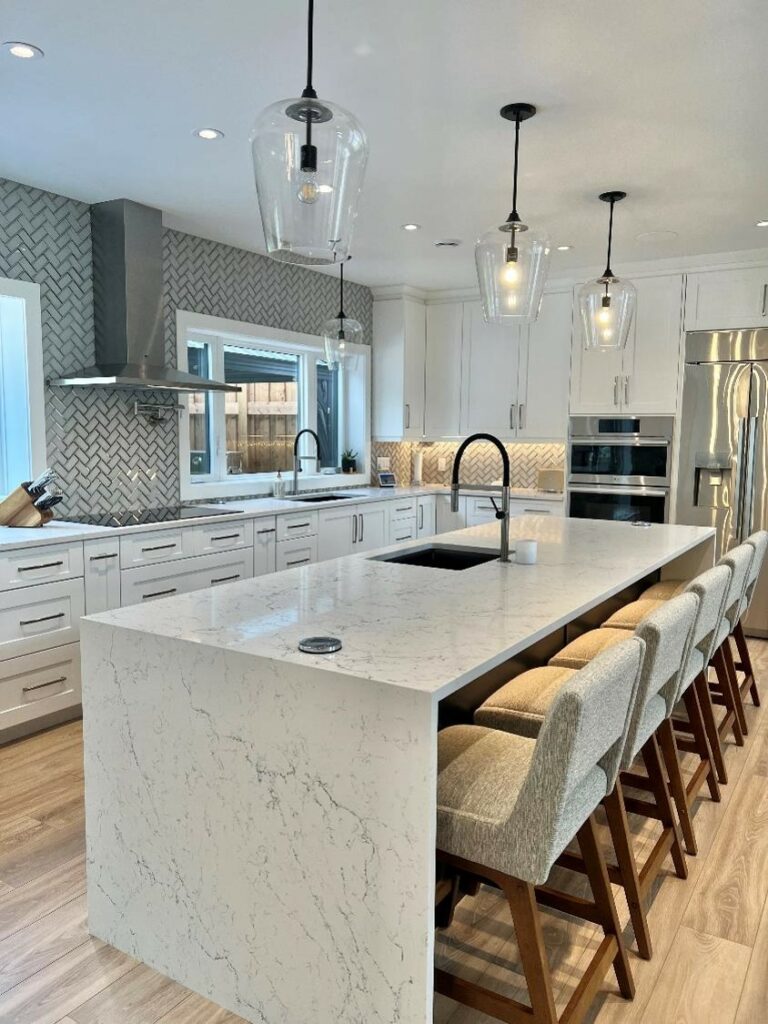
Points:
[(292, 553), (222, 536), (149, 583), (536, 508), (301, 524), (404, 529), (43, 564), (404, 508), (37, 618), (156, 546), (39, 684), (481, 510)]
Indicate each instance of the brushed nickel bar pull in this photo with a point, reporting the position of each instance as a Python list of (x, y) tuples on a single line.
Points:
[(615, 390), (354, 529), (421, 517), (512, 411), (521, 416), (225, 579), (271, 530), (40, 686), (227, 536), (160, 547), (362, 524), (403, 508), (406, 537), (626, 391), (43, 618), (407, 415), (765, 298), (298, 561), (100, 558), (538, 511), (43, 565), (296, 526), (159, 593)]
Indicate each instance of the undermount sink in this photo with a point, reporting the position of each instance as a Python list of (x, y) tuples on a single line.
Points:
[(312, 498), (441, 556)]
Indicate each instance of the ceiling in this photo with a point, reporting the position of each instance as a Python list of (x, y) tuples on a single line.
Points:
[(665, 101)]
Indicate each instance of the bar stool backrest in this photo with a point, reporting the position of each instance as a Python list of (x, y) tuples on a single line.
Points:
[(577, 756), (711, 588), (667, 633), (739, 560), (759, 542)]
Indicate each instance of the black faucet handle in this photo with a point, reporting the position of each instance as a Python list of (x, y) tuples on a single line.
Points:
[(499, 513)]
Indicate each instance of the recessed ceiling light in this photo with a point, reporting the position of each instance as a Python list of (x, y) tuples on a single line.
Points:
[(411, 227), (564, 248), (209, 134), (447, 243), (762, 224), (25, 51)]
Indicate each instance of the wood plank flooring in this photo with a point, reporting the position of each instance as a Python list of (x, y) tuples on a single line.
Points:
[(710, 934)]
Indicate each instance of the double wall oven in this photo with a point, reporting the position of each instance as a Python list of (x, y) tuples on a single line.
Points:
[(620, 467)]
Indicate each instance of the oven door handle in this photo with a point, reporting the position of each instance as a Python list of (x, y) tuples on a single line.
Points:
[(630, 491), (618, 440)]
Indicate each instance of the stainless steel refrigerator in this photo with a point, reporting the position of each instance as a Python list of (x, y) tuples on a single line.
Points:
[(723, 457)]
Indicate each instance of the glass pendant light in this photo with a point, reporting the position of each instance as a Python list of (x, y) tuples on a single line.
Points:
[(309, 159), (607, 305), (340, 332), (512, 259)]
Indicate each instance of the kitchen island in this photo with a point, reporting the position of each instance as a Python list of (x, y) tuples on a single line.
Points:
[(261, 822)]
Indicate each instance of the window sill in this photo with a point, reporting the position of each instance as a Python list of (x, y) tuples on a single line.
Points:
[(243, 487)]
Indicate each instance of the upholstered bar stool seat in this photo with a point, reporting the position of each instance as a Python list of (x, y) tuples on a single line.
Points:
[(632, 614), (665, 589), (584, 648), (521, 704)]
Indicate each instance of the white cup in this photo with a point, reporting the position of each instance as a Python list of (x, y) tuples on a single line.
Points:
[(526, 551)]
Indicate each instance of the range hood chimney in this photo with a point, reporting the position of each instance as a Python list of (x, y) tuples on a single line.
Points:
[(127, 241)]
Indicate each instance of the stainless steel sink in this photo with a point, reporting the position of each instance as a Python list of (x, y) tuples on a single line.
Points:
[(441, 556), (312, 498)]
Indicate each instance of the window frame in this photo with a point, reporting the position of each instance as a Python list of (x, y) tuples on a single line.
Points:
[(29, 293), (354, 416)]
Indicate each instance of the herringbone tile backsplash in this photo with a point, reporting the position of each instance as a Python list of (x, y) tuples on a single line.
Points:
[(480, 465), (107, 457)]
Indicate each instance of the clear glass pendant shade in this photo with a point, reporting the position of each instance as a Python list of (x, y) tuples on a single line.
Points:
[(511, 271), (308, 215), (338, 334), (607, 307)]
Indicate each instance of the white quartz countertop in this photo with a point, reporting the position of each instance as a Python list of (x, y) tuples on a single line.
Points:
[(59, 531), (421, 628)]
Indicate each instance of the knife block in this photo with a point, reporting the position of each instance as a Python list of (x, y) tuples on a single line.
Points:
[(18, 509)]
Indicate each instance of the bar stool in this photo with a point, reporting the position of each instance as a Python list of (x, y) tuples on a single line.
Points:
[(759, 542), (507, 806), (667, 634)]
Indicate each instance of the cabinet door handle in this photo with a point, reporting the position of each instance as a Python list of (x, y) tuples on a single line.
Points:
[(43, 565), (407, 415), (100, 558), (421, 517), (765, 299), (227, 536), (362, 524), (43, 618), (297, 526), (40, 686), (615, 390), (538, 511), (626, 391), (160, 547), (271, 530), (512, 411), (406, 536), (521, 416), (298, 561), (403, 508), (225, 579), (159, 593), (354, 529)]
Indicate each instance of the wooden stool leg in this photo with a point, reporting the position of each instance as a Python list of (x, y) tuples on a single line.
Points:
[(735, 689), (708, 714), (724, 679), (669, 753), (701, 740), (616, 813), (652, 759), (746, 660), (521, 897), (601, 890)]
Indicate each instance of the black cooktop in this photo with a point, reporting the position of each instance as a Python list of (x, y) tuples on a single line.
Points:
[(141, 516)]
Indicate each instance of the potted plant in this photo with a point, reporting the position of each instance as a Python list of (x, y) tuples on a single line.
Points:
[(349, 461)]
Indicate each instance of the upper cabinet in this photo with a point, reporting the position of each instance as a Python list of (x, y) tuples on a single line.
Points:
[(643, 378), (399, 341), (491, 356), (544, 372), (443, 374), (727, 299)]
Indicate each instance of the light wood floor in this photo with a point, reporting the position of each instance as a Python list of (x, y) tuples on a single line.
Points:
[(710, 933)]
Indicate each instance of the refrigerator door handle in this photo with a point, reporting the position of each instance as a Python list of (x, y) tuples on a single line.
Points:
[(738, 485), (745, 523)]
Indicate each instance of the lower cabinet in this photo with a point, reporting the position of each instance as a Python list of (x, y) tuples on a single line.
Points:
[(41, 617), (39, 684), (337, 532), (445, 519), (292, 553), (373, 526), (403, 529), (264, 546), (149, 583), (102, 575)]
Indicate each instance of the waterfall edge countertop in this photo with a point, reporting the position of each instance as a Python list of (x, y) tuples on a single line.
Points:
[(420, 628)]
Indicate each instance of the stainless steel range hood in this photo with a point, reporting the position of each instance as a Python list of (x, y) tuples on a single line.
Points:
[(127, 243)]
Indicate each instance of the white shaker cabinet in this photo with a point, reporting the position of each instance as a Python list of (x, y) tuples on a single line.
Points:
[(443, 370), (426, 516), (445, 519), (372, 526), (336, 532), (102, 575), (398, 355), (490, 375), (727, 299), (264, 546), (544, 372)]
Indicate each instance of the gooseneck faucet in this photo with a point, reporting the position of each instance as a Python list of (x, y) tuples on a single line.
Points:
[(501, 513), (298, 459)]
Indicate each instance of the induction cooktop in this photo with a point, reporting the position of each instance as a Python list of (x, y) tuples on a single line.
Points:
[(142, 516)]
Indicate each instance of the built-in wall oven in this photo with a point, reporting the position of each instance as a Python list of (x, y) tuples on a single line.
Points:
[(619, 467)]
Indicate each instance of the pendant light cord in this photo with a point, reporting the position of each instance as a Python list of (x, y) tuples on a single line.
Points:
[(608, 271), (341, 291), (514, 216), (309, 91)]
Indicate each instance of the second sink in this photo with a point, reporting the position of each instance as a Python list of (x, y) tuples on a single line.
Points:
[(441, 556)]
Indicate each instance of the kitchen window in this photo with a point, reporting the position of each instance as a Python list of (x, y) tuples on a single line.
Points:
[(22, 407), (235, 443)]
